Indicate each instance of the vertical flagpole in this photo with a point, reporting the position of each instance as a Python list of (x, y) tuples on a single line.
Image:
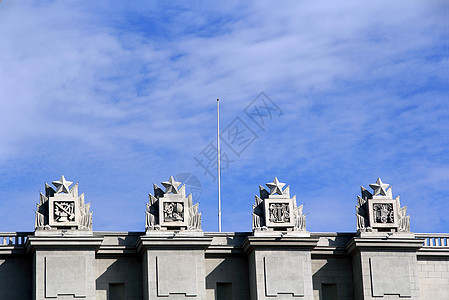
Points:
[(219, 170)]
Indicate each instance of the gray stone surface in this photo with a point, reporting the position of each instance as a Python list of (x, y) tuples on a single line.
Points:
[(332, 269), (166, 280), (176, 274), (379, 187), (63, 266), (275, 186), (80, 285), (293, 256), (268, 285), (120, 269), (379, 212), (433, 275), (172, 209), (373, 274), (62, 209), (275, 210), (226, 268), (390, 276), (16, 277), (116, 261), (65, 275), (282, 276), (64, 260), (174, 267)]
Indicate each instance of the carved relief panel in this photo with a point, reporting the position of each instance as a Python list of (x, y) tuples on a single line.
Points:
[(383, 213), (278, 212), (63, 211), (173, 211), (379, 211), (62, 208), (274, 210)]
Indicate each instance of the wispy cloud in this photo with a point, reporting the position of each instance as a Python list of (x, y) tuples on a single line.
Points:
[(118, 96)]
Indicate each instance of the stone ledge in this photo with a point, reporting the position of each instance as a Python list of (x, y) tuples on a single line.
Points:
[(13, 250), (278, 243), (64, 242), (224, 249), (329, 251), (385, 243), (116, 250), (173, 242), (433, 251)]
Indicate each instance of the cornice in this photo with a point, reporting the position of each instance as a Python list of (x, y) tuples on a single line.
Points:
[(34, 243), (384, 243), (173, 242), (279, 243)]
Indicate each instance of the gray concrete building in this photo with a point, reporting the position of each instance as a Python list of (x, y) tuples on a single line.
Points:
[(174, 259)]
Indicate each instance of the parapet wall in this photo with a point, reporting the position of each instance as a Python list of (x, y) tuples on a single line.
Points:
[(174, 259), (120, 265)]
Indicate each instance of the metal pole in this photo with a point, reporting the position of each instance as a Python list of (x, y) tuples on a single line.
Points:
[(219, 170)]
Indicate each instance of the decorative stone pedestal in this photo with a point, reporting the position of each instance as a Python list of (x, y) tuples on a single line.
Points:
[(280, 267), (379, 212), (275, 211), (172, 209), (62, 209), (63, 266), (63, 246), (174, 265), (279, 252), (385, 266), (174, 245), (384, 253)]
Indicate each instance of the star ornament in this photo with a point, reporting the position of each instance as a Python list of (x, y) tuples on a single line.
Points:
[(62, 186), (171, 186), (275, 186), (379, 187)]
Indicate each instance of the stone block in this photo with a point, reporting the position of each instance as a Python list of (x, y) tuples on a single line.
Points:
[(176, 274), (282, 276), (390, 276)]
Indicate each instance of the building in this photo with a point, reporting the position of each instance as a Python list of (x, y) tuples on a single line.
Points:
[(174, 259)]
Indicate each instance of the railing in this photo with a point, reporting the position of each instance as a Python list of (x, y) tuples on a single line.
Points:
[(13, 238), (434, 239), (430, 239)]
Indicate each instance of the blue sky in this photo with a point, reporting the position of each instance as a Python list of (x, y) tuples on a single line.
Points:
[(118, 95)]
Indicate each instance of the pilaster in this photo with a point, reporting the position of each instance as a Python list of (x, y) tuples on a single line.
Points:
[(63, 265), (385, 266), (174, 265), (280, 266)]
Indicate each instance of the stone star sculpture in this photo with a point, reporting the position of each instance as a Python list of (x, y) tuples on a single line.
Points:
[(275, 186), (171, 186), (62, 186), (379, 187)]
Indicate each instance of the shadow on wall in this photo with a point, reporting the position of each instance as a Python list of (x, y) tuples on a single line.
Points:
[(130, 239), (333, 278), (226, 277), (16, 280), (119, 278)]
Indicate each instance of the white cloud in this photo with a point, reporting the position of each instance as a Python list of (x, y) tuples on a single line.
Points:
[(132, 89)]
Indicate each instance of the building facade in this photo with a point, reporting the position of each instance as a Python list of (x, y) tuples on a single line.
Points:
[(174, 259)]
